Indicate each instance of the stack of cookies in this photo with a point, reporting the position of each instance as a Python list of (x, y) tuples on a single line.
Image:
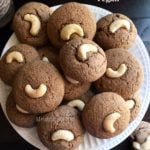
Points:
[(70, 74)]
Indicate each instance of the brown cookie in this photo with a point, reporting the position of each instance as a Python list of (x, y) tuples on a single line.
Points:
[(48, 54), (82, 60), (106, 115), (79, 103), (134, 104), (14, 59), (87, 96), (40, 87), (74, 91), (115, 31), (30, 23), (17, 115), (141, 136), (124, 74), (70, 19), (61, 129)]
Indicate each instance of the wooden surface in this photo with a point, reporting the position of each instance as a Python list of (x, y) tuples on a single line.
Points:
[(137, 10)]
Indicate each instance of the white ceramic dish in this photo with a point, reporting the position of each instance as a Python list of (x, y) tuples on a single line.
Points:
[(90, 143)]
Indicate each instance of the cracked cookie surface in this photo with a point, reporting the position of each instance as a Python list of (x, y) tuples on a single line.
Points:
[(88, 70), (122, 38), (129, 82), (9, 70), (70, 13), (22, 27), (101, 106), (38, 77), (64, 118)]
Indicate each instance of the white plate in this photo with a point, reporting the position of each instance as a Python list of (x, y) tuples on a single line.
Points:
[(91, 143)]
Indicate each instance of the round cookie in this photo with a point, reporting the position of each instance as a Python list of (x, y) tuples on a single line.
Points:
[(115, 31), (18, 116), (68, 20), (74, 91), (134, 103), (79, 103), (48, 54), (40, 87), (141, 136), (106, 115), (124, 74), (61, 129), (14, 59), (82, 60), (30, 23)]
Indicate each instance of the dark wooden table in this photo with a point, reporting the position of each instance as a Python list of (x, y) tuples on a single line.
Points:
[(138, 10)]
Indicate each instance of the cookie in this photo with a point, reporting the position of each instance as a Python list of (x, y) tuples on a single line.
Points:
[(106, 115), (14, 59), (134, 103), (40, 87), (87, 96), (141, 136), (79, 103), (61, 129), (82, 60), (48, 54), (75, 90), (124, 74), (115, 31), (68, 20), (17, 115), (30, 23)]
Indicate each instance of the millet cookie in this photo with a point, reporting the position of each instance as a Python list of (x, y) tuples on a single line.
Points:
[(30, 23), (115, 31), (87, 96), (141, 136), (134, 103), (68, 20), (124, 74), (79, 103), (61, 129), (40, 87), (19, 116), (106, 115), (48, 54), (75, 90), (82, 60), (14, 59)]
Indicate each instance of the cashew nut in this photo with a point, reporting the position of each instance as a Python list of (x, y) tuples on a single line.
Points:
[(21, 110), (118, 73), (144, 146), (137, 145), (70, 29), (120, 23), (130, 103), (35, 23), (35, 93), (84, 49), (62, 135), (72, 80), (14, 56), (109, 121), (45, 59), (77, 103)]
